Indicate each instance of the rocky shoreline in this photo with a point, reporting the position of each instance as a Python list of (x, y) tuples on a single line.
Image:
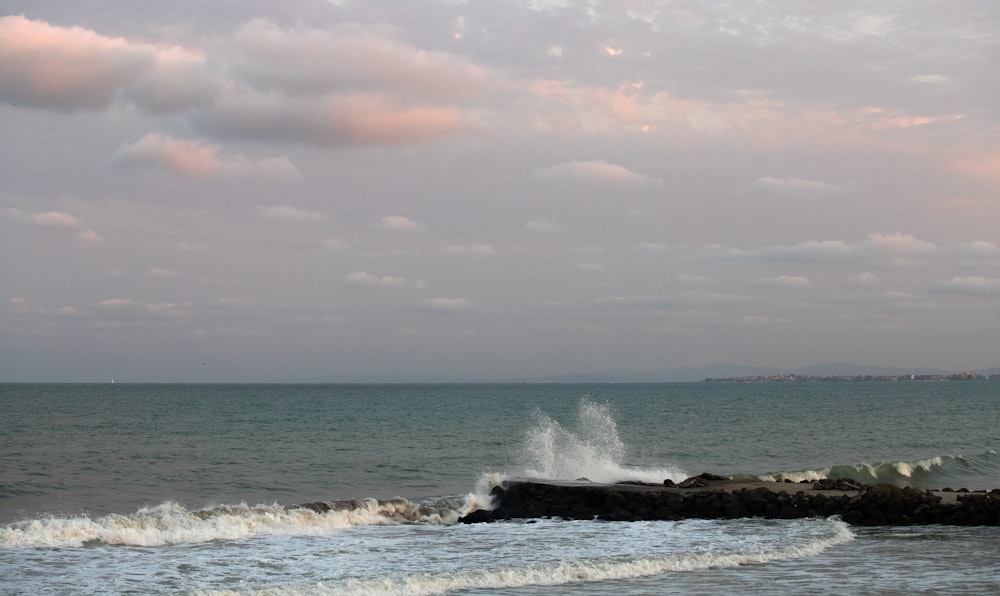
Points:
[(708, 496)]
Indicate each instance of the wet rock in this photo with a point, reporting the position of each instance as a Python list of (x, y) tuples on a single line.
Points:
[(838, 484), (693, 498), (709, 476), (478, 516)]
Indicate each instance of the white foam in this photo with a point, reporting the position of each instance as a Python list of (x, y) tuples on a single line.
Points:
[(493, 575), (591, 450), (170, 523)]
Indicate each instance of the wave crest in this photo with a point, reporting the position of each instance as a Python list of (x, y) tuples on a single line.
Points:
[(975, 472), (170, 523)]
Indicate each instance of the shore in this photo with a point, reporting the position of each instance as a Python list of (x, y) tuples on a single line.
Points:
[(713, 497)]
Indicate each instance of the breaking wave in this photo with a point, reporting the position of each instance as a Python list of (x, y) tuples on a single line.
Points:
[(975, 472), (171, 523), (591, 449)]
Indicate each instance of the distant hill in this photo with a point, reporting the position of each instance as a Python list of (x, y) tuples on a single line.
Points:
[(692, 374)]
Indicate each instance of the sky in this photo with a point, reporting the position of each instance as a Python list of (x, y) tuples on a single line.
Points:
[(349, 190)]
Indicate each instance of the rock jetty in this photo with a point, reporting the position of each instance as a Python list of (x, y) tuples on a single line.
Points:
[(714, 497)]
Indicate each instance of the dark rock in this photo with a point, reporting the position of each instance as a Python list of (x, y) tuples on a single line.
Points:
[(478, 516), (872, 505), (708, 476), (838, 484), (852, 517)]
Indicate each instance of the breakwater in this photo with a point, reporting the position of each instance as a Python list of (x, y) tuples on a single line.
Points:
[(713, 497)]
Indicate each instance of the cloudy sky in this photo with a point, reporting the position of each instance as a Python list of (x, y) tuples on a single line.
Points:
[(460, 190)]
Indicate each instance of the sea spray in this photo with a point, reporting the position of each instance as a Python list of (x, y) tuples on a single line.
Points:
[(592, 449)]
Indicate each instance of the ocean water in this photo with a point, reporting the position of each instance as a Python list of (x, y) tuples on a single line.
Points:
[(185, 489)]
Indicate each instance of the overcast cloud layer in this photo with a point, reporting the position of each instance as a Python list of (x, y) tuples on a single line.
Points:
[(438, 189)]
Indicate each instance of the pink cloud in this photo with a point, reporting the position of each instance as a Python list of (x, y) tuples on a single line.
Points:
[(59, 220), (290, 213), (195, 159), (280, 84), (753, 117), (596, 171), (363, 278), (987, 166), (55, 219), (89, 238), (368, 121), (570, 107), (400, 223), (783, 281), (898, 121), (64, 68), (901, 244), (72, 68), (188, 158), (445, 304)]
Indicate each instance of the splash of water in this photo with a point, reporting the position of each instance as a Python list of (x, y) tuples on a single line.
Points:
[(591, 449)]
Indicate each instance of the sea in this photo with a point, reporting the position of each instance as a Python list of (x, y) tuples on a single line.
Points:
[(191, 489)]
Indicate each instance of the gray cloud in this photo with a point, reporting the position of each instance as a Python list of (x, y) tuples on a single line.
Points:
[(975, 285), (354, 59), (290, 213), (363, 278), (445, 304)]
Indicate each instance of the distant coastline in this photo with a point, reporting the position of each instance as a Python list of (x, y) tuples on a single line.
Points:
[(792, 378), (829, 371)]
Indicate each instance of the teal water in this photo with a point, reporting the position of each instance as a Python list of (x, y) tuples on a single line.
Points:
[(140, 487)]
